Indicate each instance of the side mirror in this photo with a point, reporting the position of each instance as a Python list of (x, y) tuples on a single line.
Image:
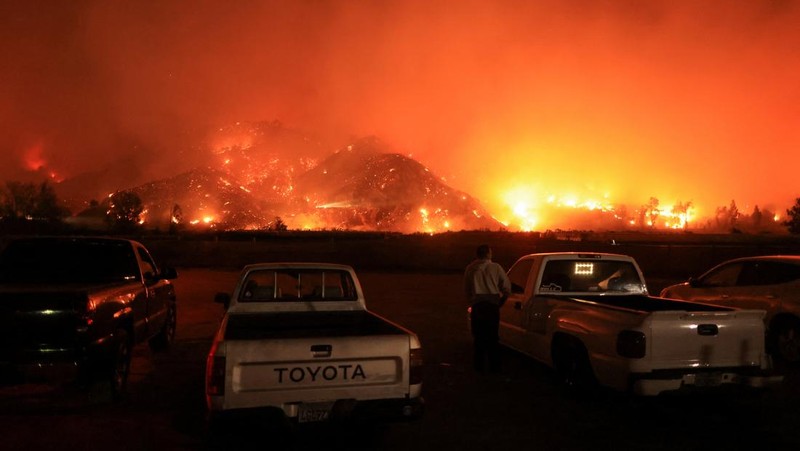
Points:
[(693, 282), (168, 273), (224, 299)]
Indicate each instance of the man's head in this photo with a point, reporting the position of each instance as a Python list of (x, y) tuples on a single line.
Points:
[(484, 252)]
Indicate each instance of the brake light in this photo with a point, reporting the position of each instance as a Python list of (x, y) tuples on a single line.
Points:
[(86, 317), (415, 364), (215, 373), (631, 344)]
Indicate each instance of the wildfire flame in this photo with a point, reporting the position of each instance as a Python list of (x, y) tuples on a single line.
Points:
[(526, 210)]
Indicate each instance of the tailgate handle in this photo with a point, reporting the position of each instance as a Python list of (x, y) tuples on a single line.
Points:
[(321, 350), (707, 329)]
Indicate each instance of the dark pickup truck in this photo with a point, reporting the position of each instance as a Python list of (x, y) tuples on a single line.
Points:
[(74, 307)]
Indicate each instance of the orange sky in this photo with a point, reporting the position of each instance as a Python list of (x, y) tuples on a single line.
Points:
[(616, 100)]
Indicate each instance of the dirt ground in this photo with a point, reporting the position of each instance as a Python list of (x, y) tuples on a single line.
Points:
[(522, 407)]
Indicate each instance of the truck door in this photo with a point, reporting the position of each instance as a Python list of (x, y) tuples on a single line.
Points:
[(536, 311), (535, 314), (155, 292), (512, 332)]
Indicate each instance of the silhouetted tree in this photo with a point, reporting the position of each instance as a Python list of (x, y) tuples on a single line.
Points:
[(756, 217), (721, 217), (279, 225), (682, 210), (27, 201), (793, 223), (651, 211), (176, 219), (733, 214), (18, 200), (124, 211)]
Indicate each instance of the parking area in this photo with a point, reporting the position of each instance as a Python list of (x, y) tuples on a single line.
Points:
[(523, 406)]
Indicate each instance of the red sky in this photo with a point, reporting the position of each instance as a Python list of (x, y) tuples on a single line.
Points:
[(614, 100)]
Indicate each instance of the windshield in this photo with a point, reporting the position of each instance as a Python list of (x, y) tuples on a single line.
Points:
[(53, 261), (589, 276)]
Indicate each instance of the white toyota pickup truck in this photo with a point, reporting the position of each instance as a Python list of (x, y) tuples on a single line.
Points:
[(297, 338), (589, 316)]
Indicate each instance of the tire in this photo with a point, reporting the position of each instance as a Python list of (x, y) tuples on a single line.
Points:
[(164, 338), (119, 367), (784, 340), (571, 362)]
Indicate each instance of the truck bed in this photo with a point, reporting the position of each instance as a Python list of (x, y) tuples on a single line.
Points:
[(646, 304)]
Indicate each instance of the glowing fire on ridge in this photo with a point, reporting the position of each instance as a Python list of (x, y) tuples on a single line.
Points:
[(380, 194), (524, 210)]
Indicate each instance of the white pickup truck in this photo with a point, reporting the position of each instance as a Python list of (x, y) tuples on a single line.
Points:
[(590, 317), (297, 338)]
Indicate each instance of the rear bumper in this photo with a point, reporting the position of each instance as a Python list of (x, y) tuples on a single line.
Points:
[(391, 409), (13, 374), (381, 409), (658, 382), (49, 364)]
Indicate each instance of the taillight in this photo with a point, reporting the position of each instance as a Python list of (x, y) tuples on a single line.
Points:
[(631, 344), (415, 364), (86, 317), (215, 373)]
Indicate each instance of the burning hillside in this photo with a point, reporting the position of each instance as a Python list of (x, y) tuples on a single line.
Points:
[(250, 174), (357, 188), (260, 172), (362, 187)]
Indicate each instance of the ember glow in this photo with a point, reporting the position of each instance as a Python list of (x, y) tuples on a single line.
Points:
[(34, 159), (539, 110)]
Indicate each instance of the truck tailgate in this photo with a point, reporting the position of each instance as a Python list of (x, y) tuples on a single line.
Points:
[(277, 359), (37, 325), (700, 340)]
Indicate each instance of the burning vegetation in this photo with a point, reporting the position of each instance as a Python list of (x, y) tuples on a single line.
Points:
[(263, 176)]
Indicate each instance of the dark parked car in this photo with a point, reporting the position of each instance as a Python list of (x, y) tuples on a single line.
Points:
[(770, 283)]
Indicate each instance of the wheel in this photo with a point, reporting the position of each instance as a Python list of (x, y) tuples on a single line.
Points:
[(164, 338), (571, 362), (120, 364), (784, 340)]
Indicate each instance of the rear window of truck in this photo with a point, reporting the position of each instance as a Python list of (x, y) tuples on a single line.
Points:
[(301, 284), (590, 276)]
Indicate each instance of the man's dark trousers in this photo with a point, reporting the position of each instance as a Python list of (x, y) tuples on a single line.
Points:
[(485, 319)]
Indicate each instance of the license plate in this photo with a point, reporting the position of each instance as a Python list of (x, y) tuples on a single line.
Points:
[(707, 379), (314, 412)]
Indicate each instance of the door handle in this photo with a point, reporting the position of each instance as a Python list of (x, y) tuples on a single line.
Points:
[(321, 350), (517, 305)]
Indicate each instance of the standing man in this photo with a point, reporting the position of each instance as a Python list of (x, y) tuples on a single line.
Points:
[(486, 286)]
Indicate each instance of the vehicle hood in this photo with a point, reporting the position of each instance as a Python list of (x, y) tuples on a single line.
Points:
[(87, 288), (677, 291)]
